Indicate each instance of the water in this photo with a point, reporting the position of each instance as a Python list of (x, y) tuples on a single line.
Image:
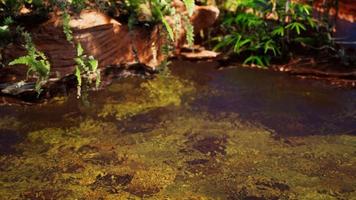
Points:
[(199, 133)]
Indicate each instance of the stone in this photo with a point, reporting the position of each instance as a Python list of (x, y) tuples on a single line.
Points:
[(109, 41)]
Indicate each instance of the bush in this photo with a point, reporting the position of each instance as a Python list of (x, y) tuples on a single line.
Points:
[(264, 29)]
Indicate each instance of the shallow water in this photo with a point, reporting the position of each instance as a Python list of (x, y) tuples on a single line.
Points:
[(196, 133)]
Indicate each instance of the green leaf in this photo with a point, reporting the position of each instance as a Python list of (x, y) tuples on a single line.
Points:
[(225, 41), (305, 41), (296, 26), (79, 50), (78, 76), (312, 22), (189, 4), (93, 64), (240, 43), (278, 31), (98, 79), (23, 60), (270, 45), (168, 28), (257, 60)]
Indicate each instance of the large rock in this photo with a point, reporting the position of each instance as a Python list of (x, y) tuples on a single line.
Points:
[(106, 39)]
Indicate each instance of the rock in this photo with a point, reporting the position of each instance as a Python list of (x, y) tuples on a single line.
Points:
[(110, 42), (200, 54), (346, 9), (17, 88), (204, 17)]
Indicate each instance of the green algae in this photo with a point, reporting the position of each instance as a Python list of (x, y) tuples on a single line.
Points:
[(189, 156), (142, 141), (163, 90)]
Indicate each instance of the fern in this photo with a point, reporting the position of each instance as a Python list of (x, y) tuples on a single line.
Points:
[(189, 31), (87, 70), (36, 61), (168, 28), (189, 4), (157, 10), (66, 28)]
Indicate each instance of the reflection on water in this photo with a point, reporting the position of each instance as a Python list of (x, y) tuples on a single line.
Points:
[(200, 133)]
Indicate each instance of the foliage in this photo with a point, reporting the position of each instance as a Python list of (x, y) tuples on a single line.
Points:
[(5, 30), (260, 30), (87, 68), (10, 7), (36, 61), (156, 11), (66, 28)]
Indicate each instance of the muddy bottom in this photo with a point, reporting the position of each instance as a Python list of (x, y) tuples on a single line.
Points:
[(195, 133)]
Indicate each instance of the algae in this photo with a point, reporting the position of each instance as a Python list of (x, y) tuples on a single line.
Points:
[(189, 156), (143, 140), (161, 91)]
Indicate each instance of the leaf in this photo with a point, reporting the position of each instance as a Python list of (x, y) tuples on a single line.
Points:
[(98, 79), (240, 43), (78, 76), (168, 28), (225, 41), (93, 64), (189, 4), (23, 60), (305, 41), (79, 50), (66, 27), (312, 22), (270, 45), (190, 33), (80, 62), (278, 31), (296, 26), (255, 60)]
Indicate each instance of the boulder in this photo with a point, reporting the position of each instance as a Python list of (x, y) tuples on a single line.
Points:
[(109, 41)]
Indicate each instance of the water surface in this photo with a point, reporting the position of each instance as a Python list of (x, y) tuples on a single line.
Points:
[(195, 133)]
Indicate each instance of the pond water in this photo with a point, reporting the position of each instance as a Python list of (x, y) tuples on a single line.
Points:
[(198, 132)]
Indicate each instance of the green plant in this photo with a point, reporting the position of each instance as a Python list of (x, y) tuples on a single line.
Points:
[(87, 70), (5, 30), (260, 30), (36, 61), (10, 7), (78, 5), (66, 28)]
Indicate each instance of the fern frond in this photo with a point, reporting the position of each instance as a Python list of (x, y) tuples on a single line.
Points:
[(189, 31), (189, 4), (23, 60)]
